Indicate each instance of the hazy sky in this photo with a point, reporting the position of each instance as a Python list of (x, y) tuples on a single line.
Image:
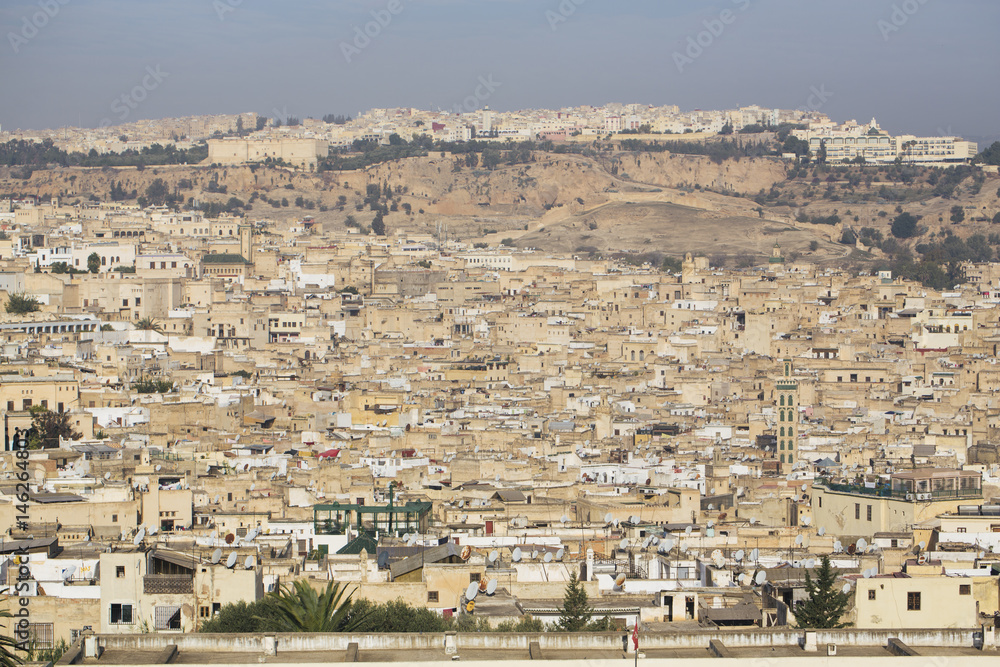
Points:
[(918, 66)]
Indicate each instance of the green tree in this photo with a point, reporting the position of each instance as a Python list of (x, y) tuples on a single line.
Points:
[(575, 613), (904, 226), (94, 262), (996, 219), (157, 192), (378, 224), (957, 214), (8, 658), (991, 155), (301, 609), (22, 304), (825, 605), (848, 237), (48, 426), (245, 617)]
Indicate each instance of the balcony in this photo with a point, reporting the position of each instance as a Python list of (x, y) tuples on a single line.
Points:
[(886, 491), (167, 584)]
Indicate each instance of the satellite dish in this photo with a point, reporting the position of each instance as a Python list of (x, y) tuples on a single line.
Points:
[(216, 556), (564, 519), (231, 561), (867, 574), (214, 534), (472, 591), (139, 536), (711, 524), (406, 537), (687, 531), (158, 467), (806, 520), (86, 538), (799, 540), (623, 545), (560, 553), (248, 563), (253, 486), (152, 530), (494, 555), (805, 487), (620, 580), (738, 555), (634, 520), (548, 557), (837, 547), (491, 587), (465, 518), (711, 507), (107, 475), (922, 545), (645, 542), (846, 588), (217, 498), (760, 578), (68, 573), (753, 520), (922, 559), (230, 538), (822, 531), (466, 552), (251, 536), (755, 554), (810, 564), (862, 544), (608, 517), (383, 560), (616, 522), (534, 554), (516, 555)]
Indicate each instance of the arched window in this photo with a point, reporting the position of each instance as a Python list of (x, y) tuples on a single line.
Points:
[(781, 415), (782, 432), (781, 400), (789, 401)]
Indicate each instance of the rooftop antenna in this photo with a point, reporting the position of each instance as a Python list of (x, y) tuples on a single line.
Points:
[(231, 561), (216, 556), (491, 587), (248, 563), (516, 555)]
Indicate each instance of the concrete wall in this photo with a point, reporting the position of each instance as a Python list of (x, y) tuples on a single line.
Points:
[(751, 638)]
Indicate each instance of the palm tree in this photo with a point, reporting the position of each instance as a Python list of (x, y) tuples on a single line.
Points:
[(148, 324), (301, 609), (7, 647)]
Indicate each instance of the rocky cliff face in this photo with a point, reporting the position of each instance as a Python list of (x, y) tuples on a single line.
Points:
[(432, 182), (746, 176)]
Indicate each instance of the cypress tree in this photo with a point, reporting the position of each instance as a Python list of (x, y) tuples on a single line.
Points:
[(825, 605)]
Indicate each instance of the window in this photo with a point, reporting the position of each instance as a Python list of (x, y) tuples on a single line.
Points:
[(204, 611), (869, 512), (10, 406), (167, 618), (965, 589), (871, 594), (913, 602), (119, 569), (44, 404), (27, 403), (473, 577), (857, 511), (121, 614), (40, 635), (960, 530), (432, 596)]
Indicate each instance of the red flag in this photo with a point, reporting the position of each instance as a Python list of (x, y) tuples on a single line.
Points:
[(635, 634)]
